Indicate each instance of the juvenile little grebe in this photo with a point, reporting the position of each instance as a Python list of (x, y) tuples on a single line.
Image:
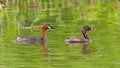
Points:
[(75, 41), (32, 40)]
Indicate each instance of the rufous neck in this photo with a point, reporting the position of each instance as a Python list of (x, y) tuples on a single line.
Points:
[(85, 34), (43, 32)]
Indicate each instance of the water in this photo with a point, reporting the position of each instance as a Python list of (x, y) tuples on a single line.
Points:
[(105, 47), (56, 54)]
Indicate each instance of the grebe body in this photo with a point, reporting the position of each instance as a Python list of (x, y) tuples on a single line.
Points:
[(30, 40), (75, 41)]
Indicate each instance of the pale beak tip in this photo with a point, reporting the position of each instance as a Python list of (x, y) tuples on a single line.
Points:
[(93, 29)]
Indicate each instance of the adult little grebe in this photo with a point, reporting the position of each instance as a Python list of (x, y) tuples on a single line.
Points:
[(32, 40), (74, 41)]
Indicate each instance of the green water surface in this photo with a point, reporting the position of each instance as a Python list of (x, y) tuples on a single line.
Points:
[(105, 47), (67, 22)]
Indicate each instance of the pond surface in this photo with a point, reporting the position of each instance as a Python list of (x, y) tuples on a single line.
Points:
[(57, 54), (105, 46)]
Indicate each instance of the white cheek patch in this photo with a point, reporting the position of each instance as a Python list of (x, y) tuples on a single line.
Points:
[(49, 27)]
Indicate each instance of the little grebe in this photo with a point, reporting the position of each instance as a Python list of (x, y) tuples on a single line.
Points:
[(74, 41), (32, 40), (85, 40)]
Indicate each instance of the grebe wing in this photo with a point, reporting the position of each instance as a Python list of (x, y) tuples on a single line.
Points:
[(73, 38), (27, 40), (75, 41)]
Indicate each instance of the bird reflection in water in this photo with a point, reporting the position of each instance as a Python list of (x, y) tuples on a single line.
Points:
[(44, 50)]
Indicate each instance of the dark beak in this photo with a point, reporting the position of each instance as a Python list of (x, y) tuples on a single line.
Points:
[(52, 27)]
